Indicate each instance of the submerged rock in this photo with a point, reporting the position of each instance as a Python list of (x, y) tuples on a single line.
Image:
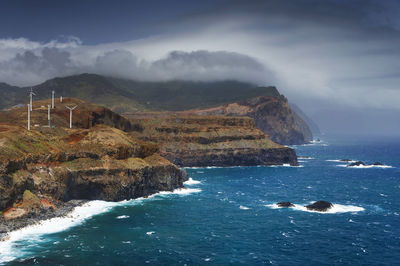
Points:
[(285, 204), (321, 206), (358, 163)]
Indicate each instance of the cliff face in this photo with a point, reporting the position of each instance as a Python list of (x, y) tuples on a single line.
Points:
[(272, 115), (212, 141), (60, 164)]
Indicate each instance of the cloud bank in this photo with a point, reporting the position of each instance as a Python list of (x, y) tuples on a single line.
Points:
[(34, 63)]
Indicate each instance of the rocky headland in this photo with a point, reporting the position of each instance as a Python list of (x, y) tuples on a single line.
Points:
[(198, 141), (271, 114), (283, 123), (43, 169), (50, 169)]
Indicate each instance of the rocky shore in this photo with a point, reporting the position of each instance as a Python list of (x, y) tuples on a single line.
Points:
[(34, 217), (47, 171)]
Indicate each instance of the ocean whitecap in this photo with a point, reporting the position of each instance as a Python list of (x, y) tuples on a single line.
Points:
[(336, 208), (191, 182)]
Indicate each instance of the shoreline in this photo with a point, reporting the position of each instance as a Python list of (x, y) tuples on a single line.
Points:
[(63, 209), (32, 218)]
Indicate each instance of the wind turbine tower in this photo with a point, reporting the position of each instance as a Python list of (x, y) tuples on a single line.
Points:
[(29, 117), (31, 93), (48, 113), (52, 99), (70, 114)]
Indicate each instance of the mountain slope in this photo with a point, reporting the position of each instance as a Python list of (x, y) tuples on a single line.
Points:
[(127, 96)]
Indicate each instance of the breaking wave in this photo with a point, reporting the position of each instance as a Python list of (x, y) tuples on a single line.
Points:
[(337, 208)]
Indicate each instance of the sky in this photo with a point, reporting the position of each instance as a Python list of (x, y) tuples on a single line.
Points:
[(338, 60)]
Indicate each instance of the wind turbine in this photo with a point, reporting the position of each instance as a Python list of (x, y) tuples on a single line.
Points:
[(31, 93), (70, 114), (29, 117), (48, 113), (52, 99)]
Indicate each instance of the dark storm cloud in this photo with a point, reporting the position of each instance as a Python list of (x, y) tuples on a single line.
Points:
[(196, 65), (27, 67), (206, 65)]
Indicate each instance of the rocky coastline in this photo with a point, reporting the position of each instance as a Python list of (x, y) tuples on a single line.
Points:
[(48, 171)]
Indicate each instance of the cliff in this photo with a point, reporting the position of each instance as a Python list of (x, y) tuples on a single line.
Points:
[(272, 115), (211, 140), (93, 161)]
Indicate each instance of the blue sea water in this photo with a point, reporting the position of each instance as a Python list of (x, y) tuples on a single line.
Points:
[(229, 217)]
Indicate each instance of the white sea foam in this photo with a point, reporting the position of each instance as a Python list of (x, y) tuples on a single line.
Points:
[(341, 161), (306, 158), (9, 252), (180, 191), (337, 208), (285, 165), (191, 182), (244, 207), (365, 166), (122, 217)]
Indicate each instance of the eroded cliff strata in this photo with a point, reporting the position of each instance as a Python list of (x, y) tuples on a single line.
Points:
[(212, 141), (272, 115)]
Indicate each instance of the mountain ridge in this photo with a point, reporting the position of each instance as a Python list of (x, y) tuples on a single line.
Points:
[(131, 96)]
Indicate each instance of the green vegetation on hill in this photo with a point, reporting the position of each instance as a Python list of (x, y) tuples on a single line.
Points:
[(123, 95), (183, 95)]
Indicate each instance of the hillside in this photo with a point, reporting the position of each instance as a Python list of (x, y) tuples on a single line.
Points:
[(93, 160), (127, 95), (282, 124)]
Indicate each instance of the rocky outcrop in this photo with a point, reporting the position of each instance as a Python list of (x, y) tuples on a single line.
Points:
[(285, 204), (321, 206), (213, 141), (271, 114), (98, 163), (357, 163)]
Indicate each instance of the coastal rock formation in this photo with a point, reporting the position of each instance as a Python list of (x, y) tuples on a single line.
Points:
[(358, 163), (94, 161), (321, 206), (98, 163), (212, 141), (285, 204), (272, 115)]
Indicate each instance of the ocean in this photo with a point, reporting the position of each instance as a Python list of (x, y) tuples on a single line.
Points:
[(228, 216)]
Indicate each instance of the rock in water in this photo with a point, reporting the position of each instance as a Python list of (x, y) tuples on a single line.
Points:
[(285, 204), (345, 160), (378, 163), (321, 206), (358, 163)]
